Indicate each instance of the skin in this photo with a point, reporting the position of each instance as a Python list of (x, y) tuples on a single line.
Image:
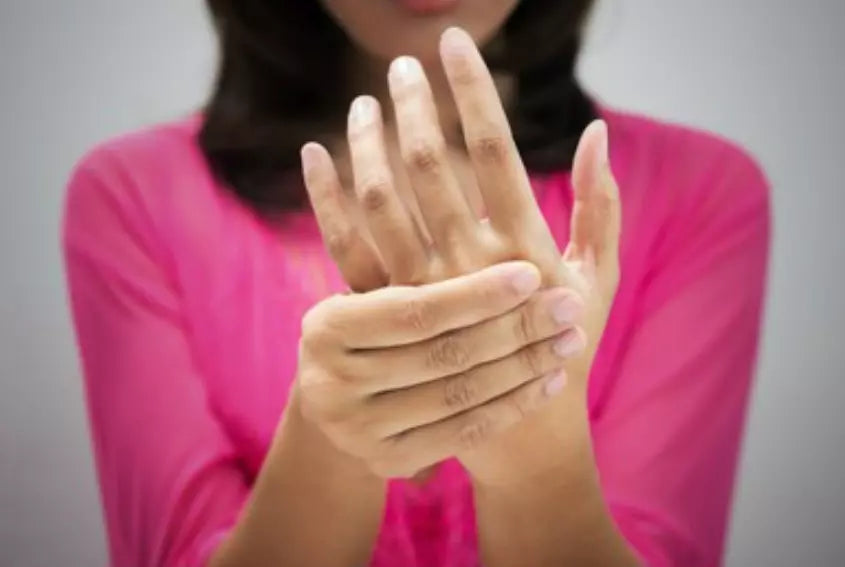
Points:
[(380, 393), (462, 354), (552, 445), (384, 30), (403, 381)]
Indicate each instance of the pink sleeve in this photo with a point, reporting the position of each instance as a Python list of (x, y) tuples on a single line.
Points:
[(169, 476), (667, 437)]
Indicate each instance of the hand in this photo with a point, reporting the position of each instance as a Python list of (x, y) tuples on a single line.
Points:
[(390, 247), (405, 377)]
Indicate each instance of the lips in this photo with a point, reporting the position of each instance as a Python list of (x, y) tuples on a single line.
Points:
[(427, 7)]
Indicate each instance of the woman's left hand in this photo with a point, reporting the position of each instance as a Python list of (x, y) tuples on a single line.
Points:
[(388, 247)]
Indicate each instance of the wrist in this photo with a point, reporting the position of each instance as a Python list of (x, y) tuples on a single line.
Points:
[(557, 518), (303, 484), (552, 445), (296, 432)]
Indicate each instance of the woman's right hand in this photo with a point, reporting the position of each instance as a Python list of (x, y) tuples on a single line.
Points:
[(405, 377)]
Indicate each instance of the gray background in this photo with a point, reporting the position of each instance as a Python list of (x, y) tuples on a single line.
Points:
[(764, 72)]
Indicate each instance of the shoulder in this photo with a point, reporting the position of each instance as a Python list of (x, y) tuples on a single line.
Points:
[(678, 151), (687, 168), (138, 184), (144, 162)]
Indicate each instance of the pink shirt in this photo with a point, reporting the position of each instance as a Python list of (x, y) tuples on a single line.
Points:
[(187, 312)]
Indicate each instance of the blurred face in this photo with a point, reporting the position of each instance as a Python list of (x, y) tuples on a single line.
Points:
[(385, 29)]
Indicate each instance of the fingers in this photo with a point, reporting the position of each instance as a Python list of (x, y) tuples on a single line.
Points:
[(442, 203), (389, 222), (402, 410), (501, 175), (419, 448), (397, 316), (596, 214), (344, 238), (546, 314)]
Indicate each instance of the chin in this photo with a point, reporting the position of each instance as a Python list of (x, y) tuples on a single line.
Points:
[(386, 29)]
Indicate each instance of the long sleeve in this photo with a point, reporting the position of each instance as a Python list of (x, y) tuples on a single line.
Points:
[(667, 437), (170, 478)]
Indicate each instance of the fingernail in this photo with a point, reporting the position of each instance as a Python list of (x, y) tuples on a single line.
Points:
[(456, 41), (604, 148), (310, 155), (566, 309), (525, 280), (570, 344), (406, 70), (363, 110), (555, 384)]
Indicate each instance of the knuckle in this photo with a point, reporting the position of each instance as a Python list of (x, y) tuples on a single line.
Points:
[(416, 315), (425, 155), (460, 391), (340, 242), (524, 328), (375, 193), (530, 360), (449, 352), (493, 148), (475, 433), (519, 406)]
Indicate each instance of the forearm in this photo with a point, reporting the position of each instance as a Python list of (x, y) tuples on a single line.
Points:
[(556, 517), (311, 505)]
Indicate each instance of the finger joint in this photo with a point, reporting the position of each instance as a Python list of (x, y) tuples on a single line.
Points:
[(375, 193), (416, 314), (530, 359), (448, 352), (491, 149), (524, 328), (425, 156), (340, 243), (460, 391), (463, 72), (474, 434), (518, 405)]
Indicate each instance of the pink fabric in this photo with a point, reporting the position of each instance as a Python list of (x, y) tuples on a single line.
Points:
[(187, 313)]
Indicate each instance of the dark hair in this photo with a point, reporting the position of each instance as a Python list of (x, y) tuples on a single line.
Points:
[(270, 96)]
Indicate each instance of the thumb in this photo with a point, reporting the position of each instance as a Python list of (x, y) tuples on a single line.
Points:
[(596, 213)]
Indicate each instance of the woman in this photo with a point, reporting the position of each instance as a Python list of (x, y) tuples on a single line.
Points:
[(528, 407)]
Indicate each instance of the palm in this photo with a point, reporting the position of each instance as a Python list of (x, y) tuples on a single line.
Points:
[(387, 248)]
